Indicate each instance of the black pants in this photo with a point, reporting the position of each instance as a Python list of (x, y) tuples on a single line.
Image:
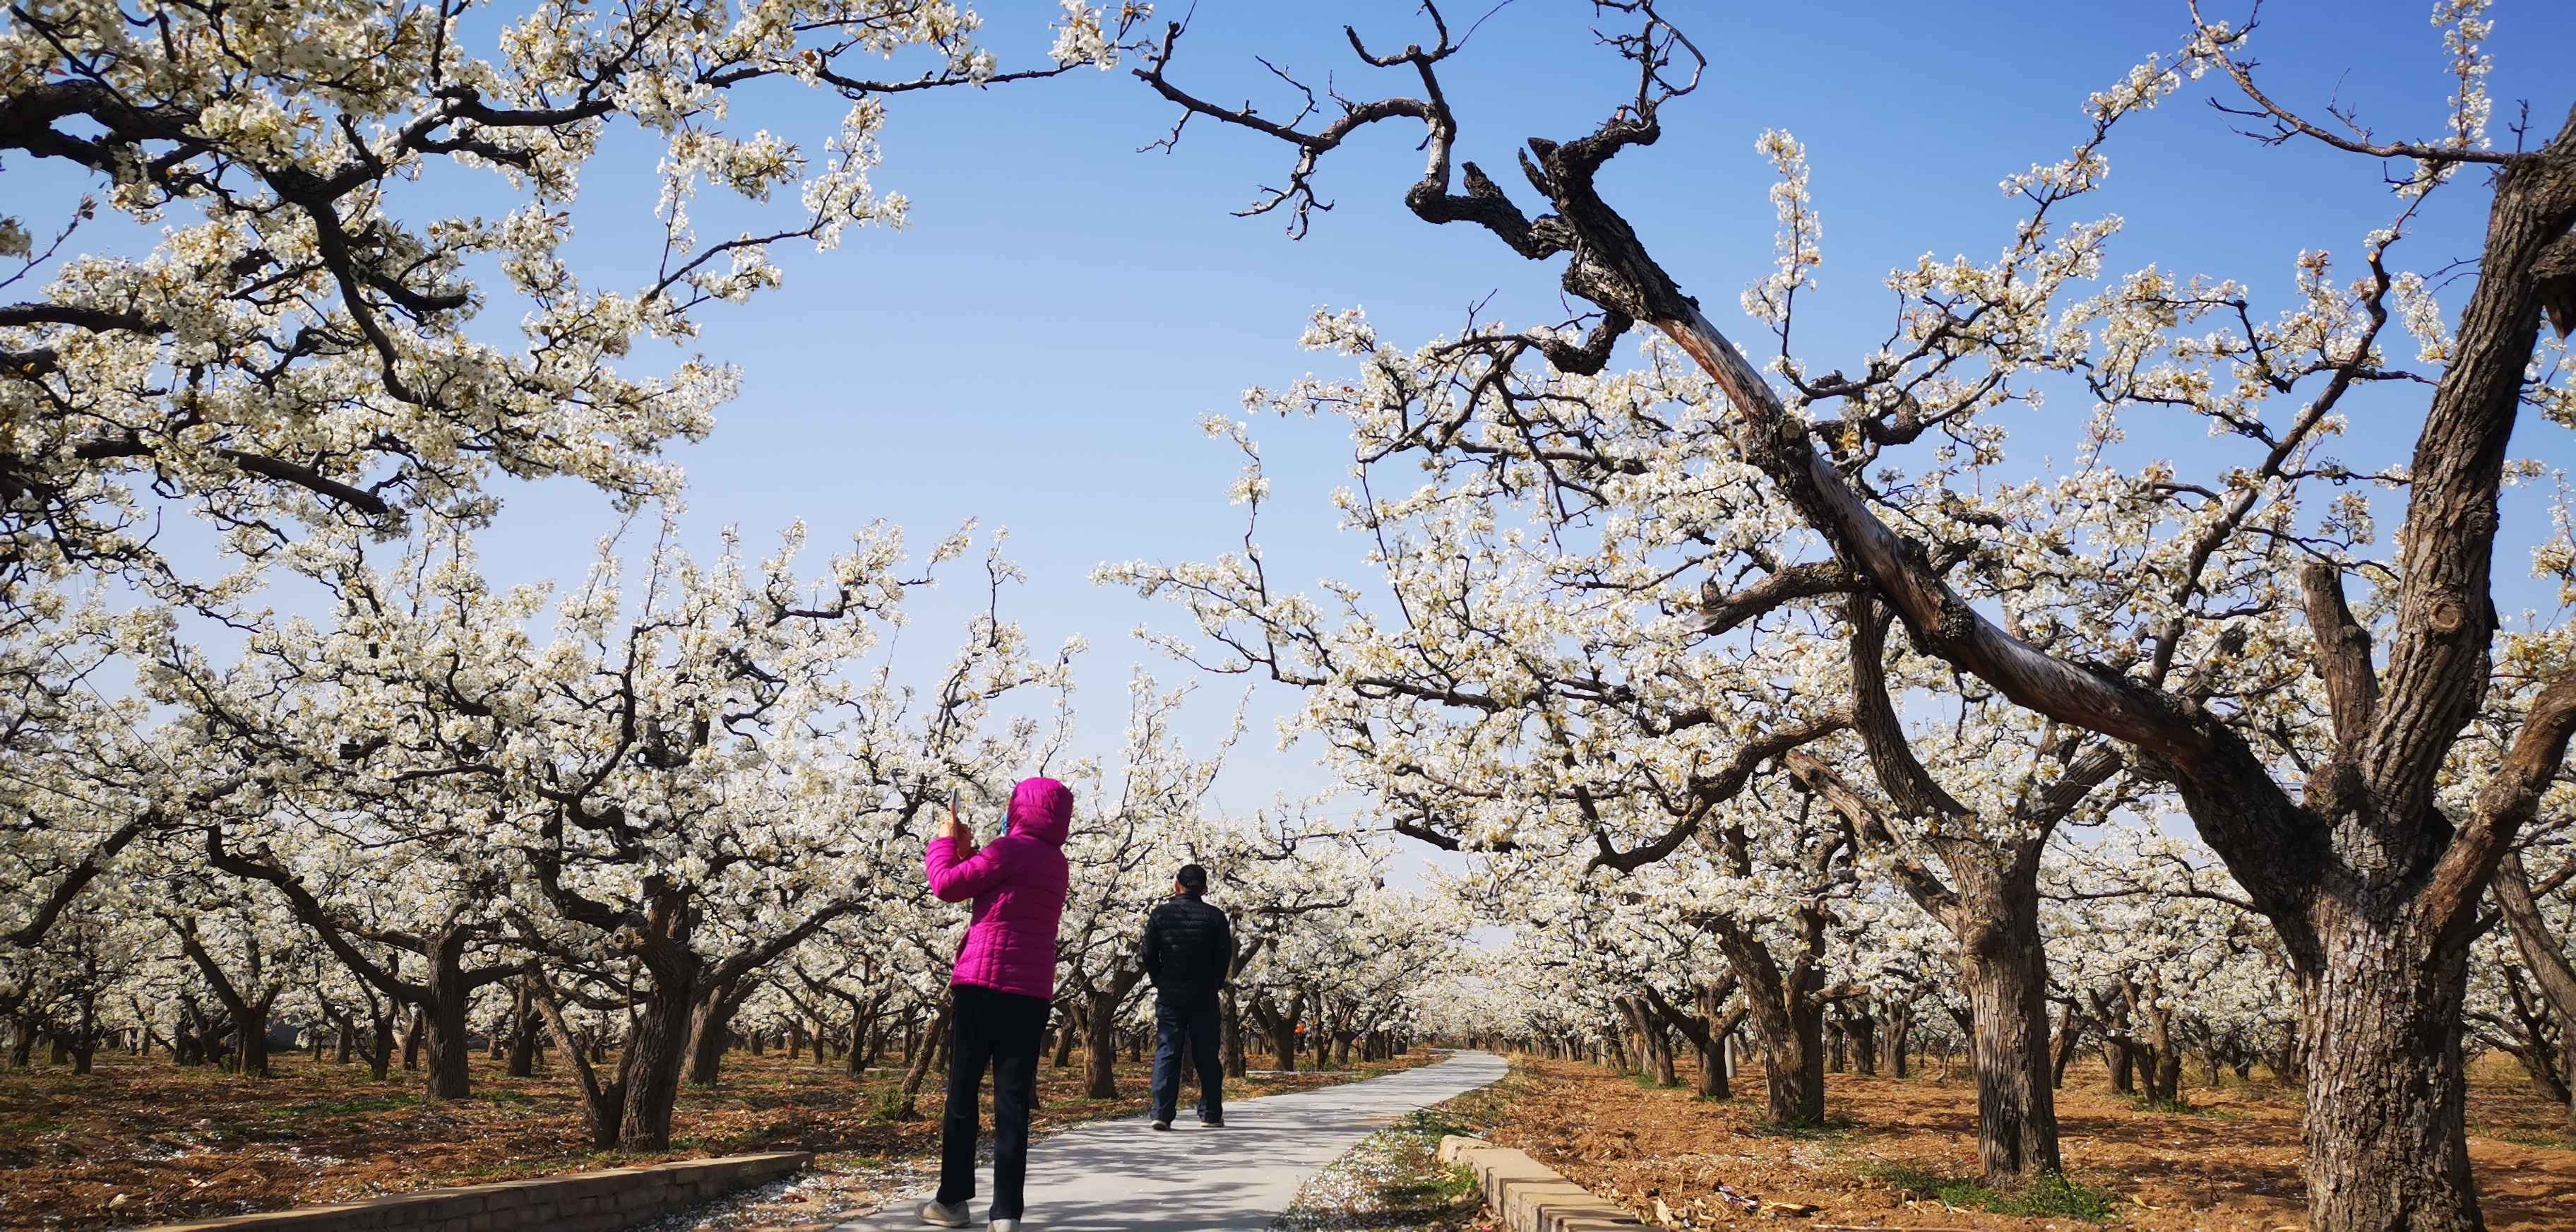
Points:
[(1171, 1025), (1000, 1029)]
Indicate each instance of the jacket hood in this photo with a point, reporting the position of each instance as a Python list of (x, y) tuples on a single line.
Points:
[(1042, 809)]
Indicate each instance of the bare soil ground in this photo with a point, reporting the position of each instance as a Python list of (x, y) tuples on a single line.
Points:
[(138, 1144), (2233, 1163)]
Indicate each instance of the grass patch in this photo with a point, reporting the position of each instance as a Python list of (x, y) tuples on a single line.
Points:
[(2050, 1196), (2184, 1107), (352, 1107), (2525, 1137), (1832, 1125), (1394, 1179)]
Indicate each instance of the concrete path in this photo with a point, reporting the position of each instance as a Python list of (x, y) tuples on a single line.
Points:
[(1119, 1176)]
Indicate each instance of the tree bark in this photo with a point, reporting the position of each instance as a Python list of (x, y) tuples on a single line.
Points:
[(1787, 1018), (1100, 1034), (2005, 969), (2547, 962), (248, 1008), (2387, 1138), (1238, 1062), (450, 1073), (711, 1032), (919, 1070), (525, 1027), (655, 1051), (601, 1105)]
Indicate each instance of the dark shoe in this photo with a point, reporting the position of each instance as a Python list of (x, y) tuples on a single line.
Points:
[(1163, 1126)]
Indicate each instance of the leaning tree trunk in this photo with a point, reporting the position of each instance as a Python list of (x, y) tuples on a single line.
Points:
[(919, 1071), (710, 1033), (657, 1047), (1786, 1019), (1652, 1042), (2549, 968), (603, 1105), (1100, 1035)]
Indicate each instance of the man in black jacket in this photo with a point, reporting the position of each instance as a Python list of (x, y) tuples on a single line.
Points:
[(1189, 947)]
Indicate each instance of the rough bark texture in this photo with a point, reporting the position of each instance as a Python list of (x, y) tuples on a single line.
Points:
[(2006, 972), (1787, 1019), (650, 1069)]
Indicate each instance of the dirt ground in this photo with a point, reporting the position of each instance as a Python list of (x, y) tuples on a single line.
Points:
[(138, 1144), (2231, 1164)]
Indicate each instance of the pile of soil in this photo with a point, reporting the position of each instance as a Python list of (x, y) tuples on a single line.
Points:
[(2231, 1164), (146, 1143)]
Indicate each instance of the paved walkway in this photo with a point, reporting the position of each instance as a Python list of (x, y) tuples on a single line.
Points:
[(1119, 1176)]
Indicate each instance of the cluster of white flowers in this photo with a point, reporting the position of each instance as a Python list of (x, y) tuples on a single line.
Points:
[(298, 348)]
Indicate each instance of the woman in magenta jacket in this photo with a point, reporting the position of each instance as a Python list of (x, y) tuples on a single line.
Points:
[(1004, 981)]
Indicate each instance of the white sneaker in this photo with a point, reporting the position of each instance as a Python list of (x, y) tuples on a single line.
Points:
[(943, 1216), (1003, 1225)]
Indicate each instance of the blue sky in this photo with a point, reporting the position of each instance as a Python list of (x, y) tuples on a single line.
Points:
[(1035, 349)]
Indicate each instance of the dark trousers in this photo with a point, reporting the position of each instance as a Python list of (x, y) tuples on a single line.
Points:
[(1172, 1025), (1003, 1030)]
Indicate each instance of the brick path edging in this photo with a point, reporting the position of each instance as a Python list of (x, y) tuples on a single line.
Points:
[(1529, 1195), (581, 1202)]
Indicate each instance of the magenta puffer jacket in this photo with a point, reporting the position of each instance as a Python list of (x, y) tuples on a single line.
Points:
[(1018, 883)]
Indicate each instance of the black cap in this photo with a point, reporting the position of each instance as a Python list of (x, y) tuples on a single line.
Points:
[(1192, 878)]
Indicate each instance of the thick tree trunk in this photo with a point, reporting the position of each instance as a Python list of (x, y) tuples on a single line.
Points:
[(1283, 1032), (1860, 1030), (2005, 968), (450, 1074), (1786, 1019), (1899, 1026), (650, 1070), (250, 1024), (710, 1032), (1708, 1038), (2386, 1121)]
